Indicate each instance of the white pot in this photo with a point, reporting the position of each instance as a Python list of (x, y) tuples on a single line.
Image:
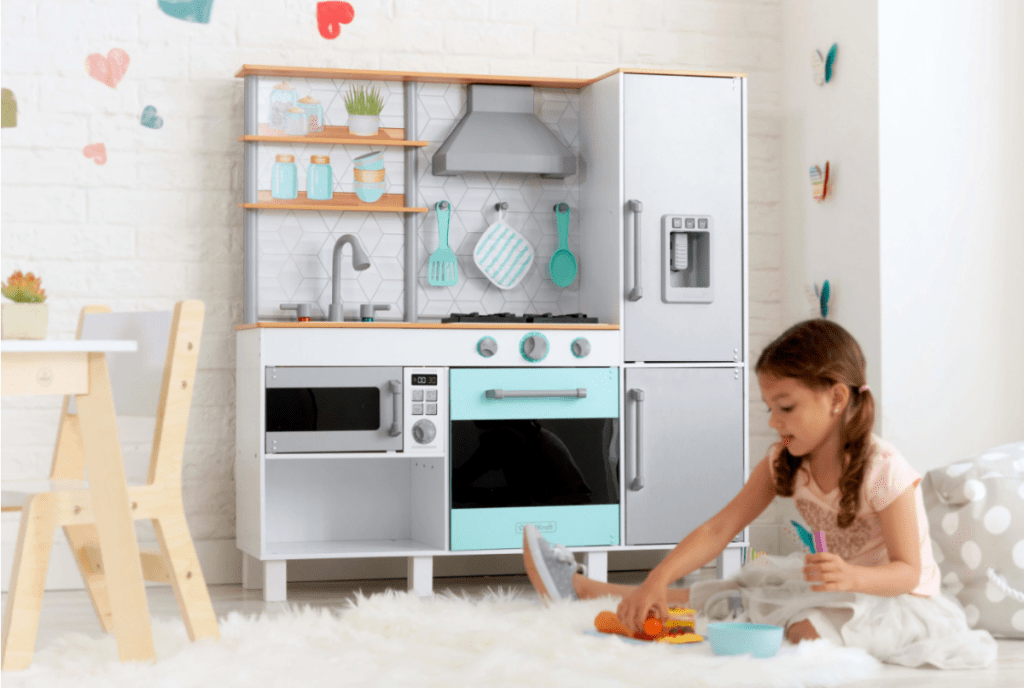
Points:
[(363, 125), (23, 320)]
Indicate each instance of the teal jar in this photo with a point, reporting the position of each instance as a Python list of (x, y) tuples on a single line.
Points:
[(314, 113), (319, 179), (282, 99), (284, 178)]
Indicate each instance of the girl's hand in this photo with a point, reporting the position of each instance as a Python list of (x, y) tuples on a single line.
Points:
[(633, 609), (831, 572)]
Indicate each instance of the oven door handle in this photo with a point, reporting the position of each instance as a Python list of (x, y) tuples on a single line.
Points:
[(580, 393), (395, 387), (637, 396)]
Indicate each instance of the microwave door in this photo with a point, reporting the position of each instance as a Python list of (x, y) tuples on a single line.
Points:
[(333, 409)]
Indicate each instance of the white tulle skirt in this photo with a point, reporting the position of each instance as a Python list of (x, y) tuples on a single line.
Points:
[(906, 629)]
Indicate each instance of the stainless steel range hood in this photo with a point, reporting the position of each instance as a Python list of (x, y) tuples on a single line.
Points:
[(500, 133)]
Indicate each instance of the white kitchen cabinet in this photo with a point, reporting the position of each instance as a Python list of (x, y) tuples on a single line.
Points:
[(676, 144)]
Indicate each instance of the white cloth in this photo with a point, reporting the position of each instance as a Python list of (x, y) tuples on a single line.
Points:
[(906, 629)]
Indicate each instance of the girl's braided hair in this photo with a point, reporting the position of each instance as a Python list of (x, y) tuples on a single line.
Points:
[(819, 353)]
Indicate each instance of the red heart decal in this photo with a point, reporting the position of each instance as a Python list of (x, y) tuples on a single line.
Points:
[(331, 15), (109, 69), (97, 151)]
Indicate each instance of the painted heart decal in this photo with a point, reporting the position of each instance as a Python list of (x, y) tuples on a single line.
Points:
[(150, 118), (96, 151), (821, 67), (110, 69), (331, 15), (187, 10)]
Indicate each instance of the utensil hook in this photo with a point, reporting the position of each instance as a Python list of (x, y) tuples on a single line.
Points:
[(502, 208)]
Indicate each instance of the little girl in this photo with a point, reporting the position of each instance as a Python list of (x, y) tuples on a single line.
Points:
[(877, 587)]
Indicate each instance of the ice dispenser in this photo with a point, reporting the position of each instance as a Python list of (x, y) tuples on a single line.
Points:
[(686, 259)]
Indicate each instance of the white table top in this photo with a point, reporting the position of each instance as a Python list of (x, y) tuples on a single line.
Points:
[(66, 345)]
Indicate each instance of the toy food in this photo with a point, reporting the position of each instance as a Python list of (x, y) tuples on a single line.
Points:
[(677, 628)]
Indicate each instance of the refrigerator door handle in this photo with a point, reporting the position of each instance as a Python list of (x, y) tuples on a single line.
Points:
[(395, 388), (637, 291), (637, 395)]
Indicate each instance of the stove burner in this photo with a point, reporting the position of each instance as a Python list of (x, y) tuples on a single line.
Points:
[(475, 317)]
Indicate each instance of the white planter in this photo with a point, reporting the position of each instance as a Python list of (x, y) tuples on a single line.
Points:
[(23, 321), (363, 125)]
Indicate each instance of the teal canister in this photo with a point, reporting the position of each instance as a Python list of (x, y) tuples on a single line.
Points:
[(282, 99), (284, 178), (314, 113), (319, 180)]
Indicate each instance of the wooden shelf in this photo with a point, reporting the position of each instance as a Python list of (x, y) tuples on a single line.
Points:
[(396, 324), (388, 203), (337, 135), (439, 78)]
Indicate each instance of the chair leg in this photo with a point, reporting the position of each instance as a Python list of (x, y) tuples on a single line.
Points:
[(186, 576), (28, 581), (95, 581)]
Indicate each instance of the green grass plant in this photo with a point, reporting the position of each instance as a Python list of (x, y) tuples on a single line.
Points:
[(360, 100)]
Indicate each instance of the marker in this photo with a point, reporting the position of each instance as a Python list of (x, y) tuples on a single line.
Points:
[(819, 541)]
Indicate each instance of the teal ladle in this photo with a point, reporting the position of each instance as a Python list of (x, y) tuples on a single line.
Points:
[(563, 262)]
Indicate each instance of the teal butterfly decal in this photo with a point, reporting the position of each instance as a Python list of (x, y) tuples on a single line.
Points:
[(821, 67), (822, 296)]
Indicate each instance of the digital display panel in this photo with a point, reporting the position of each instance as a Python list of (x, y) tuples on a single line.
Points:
[(430, 380)]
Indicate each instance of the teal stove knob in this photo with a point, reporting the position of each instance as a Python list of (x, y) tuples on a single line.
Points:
[(580, 347), (487, 347), (534, 347)]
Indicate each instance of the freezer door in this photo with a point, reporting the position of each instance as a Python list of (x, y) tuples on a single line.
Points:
[(690, 462), (683, 183)]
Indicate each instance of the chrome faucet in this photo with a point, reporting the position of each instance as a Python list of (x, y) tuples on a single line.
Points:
[(360, 261)]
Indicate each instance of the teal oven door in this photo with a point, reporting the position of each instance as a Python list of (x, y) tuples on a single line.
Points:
[(534, 446)]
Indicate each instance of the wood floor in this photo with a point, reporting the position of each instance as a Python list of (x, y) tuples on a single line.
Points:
[(70, 610)]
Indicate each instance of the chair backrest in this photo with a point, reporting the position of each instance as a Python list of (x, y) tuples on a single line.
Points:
[(154, 382)]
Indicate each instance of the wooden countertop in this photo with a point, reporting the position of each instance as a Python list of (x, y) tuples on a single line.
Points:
[(394, 324), (439, 78)]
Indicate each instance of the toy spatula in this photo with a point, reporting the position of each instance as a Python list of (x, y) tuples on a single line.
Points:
[(443, 270)]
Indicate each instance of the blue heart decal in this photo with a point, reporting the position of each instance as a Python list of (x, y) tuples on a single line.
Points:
[(188, 10), (150, 119)]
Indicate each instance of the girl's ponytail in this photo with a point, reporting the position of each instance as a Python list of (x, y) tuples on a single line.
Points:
[(855, 437)]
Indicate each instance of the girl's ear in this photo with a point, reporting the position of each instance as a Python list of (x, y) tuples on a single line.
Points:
[(840, 395)]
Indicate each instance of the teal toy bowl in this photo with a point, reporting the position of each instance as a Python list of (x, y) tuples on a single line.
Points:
[(369, 192), (370, 161), (760, 640)]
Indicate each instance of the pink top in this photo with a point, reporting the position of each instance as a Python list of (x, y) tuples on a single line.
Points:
[(887, 476)]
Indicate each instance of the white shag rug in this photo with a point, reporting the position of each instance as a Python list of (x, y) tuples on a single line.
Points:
[(395, 639)]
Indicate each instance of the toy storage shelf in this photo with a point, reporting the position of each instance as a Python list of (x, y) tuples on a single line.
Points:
[(337, 135), (388, 203), (338, 549)]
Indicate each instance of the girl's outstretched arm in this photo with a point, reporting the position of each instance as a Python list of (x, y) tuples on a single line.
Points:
[(698, 548), (899, 576)]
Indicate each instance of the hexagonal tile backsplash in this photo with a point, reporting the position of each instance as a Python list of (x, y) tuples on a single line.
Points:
[(296, 247)]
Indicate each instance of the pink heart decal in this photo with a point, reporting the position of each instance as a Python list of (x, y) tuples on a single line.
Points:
[(97, 151), (109, 69)]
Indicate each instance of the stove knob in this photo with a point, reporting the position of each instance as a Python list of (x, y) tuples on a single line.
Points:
[(487, 347), (534, 347), (580, 347), (424, 431)]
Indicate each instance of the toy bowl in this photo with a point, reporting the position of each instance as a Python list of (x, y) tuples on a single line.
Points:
[(369, 161), (760, 640), (369, 192)]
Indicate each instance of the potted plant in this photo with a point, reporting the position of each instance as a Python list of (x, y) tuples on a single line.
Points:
[(364, 106), (26, 317)]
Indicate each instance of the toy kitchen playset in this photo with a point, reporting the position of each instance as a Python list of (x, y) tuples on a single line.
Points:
[(520, 301)]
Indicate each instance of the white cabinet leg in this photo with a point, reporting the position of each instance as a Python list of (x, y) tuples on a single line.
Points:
[(597, 565), (275, 581), (729, 562), (421, 576), (252, 572)]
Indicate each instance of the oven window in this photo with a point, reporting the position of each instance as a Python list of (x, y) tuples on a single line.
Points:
[(319, 409), (546, 462)]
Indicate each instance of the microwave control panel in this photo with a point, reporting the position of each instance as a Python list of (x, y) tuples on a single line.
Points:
[(426, 410)]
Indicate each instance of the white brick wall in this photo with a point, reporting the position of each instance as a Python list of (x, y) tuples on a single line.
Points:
[(158, 222)]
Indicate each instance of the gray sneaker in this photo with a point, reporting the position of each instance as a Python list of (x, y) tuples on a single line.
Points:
[(550, 568)]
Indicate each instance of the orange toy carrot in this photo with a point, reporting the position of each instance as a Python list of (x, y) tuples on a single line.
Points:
[(676, 629)]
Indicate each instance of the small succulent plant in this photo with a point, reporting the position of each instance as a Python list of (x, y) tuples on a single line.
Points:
[(360, 100), (24, 288)]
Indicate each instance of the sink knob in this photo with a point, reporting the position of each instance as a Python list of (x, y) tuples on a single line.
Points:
[(424, 431), (368, 311), (534, 347), (303, 310), (580, 347), (487, 347)]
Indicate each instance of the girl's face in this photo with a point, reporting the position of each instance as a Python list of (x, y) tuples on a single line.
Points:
[(807, 420)]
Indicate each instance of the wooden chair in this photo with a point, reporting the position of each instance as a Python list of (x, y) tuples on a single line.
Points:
[(157, 380)]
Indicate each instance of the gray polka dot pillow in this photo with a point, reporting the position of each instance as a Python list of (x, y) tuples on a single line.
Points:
[(976, 519)]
